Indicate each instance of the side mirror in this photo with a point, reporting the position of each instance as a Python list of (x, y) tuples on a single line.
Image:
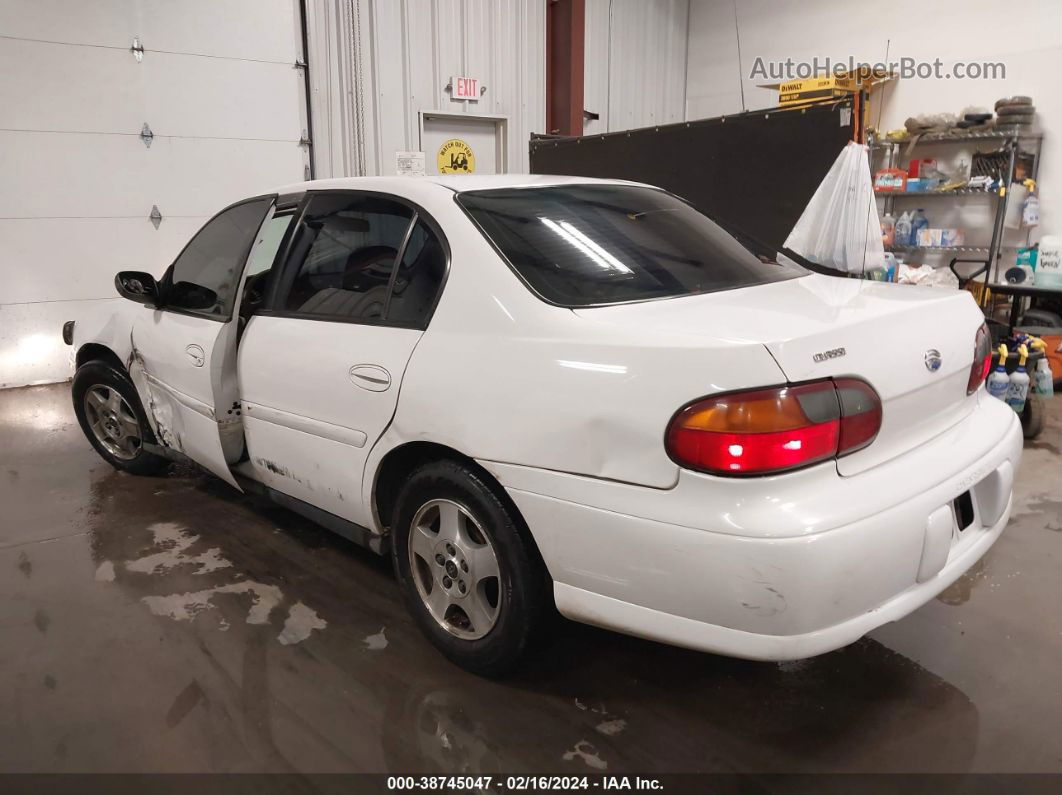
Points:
[(187, 295), (137, 286)]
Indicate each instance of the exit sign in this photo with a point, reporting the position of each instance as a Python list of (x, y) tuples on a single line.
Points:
[(465, 88)]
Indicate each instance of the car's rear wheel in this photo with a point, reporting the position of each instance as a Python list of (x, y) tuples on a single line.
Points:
[(469, 571), (109, 412)]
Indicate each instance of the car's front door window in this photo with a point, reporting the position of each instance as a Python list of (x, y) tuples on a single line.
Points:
[(262, 265), (268, 244), (204, 277)]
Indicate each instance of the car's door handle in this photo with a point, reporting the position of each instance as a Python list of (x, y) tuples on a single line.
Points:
[(370, 376), (196, 354)]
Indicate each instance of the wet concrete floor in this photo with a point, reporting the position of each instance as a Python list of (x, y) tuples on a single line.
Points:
[(171, 624)]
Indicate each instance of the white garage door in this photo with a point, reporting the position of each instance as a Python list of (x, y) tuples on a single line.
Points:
[(217, 86)]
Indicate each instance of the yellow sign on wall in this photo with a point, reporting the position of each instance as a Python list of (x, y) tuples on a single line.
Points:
[(455, 157)]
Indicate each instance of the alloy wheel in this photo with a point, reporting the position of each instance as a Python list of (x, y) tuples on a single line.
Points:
[(113, 422), (455, 569)]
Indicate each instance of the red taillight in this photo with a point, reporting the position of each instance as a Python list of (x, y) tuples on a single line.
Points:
[(775, 430), (982, 363)]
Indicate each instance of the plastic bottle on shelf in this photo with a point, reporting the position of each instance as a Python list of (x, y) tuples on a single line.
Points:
[(1018, 388), (998, 380), (918, 223), (1045, 379), (902, 230), (890, 266), (888, 230), (1043, 382), (1030, 211)]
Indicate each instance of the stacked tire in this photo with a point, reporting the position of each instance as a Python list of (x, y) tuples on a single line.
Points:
[(1015, 111)]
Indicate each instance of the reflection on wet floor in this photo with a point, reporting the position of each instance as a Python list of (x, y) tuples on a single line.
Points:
[(174, 624), (960, 591)]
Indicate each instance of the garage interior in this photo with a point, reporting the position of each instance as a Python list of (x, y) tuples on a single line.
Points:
[(173, 625)]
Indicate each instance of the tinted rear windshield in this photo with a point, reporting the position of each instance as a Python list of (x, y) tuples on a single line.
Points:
[(583, 245)]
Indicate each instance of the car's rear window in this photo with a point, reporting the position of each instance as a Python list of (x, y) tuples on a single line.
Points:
[(584, 245)]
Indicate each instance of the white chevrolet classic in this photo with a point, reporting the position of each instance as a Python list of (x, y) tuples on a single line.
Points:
[(537, 391)]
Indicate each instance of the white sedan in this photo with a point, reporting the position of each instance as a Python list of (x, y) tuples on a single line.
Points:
[(537, 391)]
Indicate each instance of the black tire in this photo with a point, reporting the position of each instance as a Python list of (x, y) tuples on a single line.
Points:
[(523, 584), (1015, 110), (1010, 101), (100, 373), (1032, 416)]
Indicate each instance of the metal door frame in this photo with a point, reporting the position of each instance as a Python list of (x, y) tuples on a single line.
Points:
[(501, 132)]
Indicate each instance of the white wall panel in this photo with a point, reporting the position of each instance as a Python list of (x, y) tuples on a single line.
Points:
[(713, 79), (221, 98), (388, 80), (333, 88), (73, 174), (227, 171), (107, 97), (596, 72), (116, 176), (478, 28), (68, 259), (635, 63), (252, 29), (259, 30), (115, 94), (109, 23), (217, 85), (368, 90)]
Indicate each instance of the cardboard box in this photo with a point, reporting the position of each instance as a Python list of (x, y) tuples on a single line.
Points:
[(932, 237), (890, 180), (816, 89), (952, 237), (829, 86)]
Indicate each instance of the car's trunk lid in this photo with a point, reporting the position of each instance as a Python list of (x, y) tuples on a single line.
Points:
[(818, 327)]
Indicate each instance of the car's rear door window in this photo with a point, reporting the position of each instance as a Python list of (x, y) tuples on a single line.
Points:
[(419, 278), (347, 250), (591, 244)]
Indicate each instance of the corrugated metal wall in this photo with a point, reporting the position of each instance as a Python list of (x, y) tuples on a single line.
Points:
[(635, 73), (375, 64)]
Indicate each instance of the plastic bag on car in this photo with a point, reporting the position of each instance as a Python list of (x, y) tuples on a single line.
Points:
[(840, 227)]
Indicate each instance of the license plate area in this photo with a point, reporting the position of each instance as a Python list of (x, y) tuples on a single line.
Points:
[(964, 510)]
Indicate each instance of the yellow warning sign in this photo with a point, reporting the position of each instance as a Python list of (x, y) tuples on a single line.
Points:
[(455, 157)]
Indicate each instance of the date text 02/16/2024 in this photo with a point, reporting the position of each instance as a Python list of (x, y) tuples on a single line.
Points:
[(521, 783)]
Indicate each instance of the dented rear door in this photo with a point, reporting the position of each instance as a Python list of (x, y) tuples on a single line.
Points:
[(320, 369)]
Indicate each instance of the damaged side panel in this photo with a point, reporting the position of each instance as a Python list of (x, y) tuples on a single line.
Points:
[(176, 363), (160, 413)]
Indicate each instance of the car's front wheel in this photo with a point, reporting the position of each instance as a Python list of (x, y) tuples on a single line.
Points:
[(469, 571), (109, 412)]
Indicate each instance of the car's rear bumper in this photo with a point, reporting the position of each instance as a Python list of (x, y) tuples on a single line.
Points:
[(782, 595), (604, 611)]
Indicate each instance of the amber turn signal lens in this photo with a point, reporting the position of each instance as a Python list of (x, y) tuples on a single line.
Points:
[(750, 412)]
